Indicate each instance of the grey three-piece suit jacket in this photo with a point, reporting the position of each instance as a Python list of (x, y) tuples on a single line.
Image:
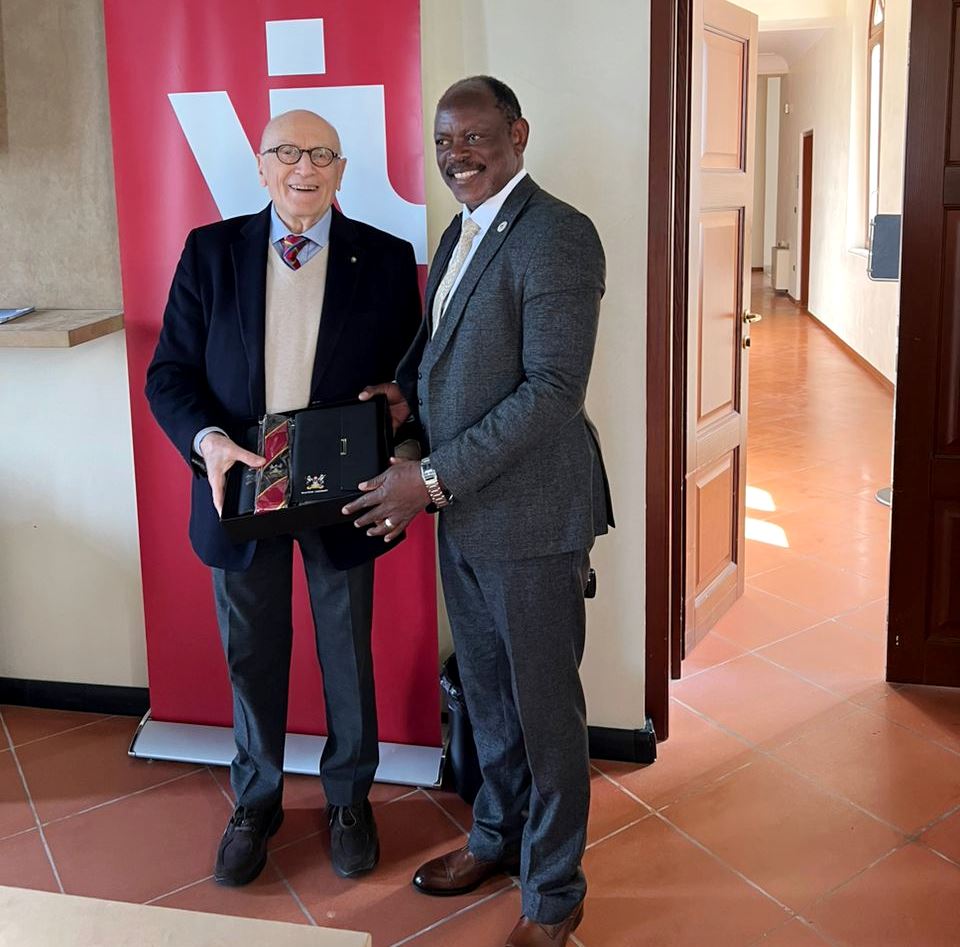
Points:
[(499, 389)]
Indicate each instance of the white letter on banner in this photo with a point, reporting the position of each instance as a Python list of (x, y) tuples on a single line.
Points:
[(358, 114), (295, 48), (228, 165), (218, 142)]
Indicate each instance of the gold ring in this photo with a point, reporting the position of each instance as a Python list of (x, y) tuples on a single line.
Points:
[(387, 523)]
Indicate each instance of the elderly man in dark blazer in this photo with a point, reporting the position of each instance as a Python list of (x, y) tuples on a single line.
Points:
[(270, 312), (497, 378)]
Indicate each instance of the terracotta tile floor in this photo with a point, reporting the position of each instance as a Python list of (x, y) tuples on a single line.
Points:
[(799, 800)]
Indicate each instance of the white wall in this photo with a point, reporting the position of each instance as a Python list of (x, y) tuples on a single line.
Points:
[(584, 87), (70, 593), (72, 607), (827, 93), (760, 173), (69, 571), (772, 172)]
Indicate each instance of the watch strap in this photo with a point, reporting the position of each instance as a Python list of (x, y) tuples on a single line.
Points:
[(432, 482)]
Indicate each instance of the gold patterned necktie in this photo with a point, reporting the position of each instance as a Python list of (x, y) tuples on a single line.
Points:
[(468, 230)]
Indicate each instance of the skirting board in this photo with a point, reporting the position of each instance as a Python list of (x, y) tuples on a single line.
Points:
[(622, 745), (66, 695), (608, 743), (195, 743), (850, 351)]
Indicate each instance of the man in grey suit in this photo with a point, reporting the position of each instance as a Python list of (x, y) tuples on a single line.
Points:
[(497, 378)]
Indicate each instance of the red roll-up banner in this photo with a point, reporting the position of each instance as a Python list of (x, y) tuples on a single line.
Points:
[(191, 86)]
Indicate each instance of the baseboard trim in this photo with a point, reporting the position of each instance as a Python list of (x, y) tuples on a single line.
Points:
[(871, 370), (624, 746), (606, 743), (65, 695)]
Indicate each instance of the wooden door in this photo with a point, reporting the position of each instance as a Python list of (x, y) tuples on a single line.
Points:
[(723, 100), (924, 633), (806, 196)]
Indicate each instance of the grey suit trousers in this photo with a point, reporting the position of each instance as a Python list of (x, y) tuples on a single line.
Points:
[(254, 611), (518, 628)]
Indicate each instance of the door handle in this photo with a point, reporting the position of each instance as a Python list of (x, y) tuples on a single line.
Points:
[(749, 316)]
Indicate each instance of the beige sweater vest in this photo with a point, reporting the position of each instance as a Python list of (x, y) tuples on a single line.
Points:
[(294, 304)]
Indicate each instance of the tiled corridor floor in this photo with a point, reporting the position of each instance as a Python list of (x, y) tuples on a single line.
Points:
[(799, 800)]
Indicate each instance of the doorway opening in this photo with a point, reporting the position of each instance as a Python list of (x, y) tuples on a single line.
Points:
[(838, 552)]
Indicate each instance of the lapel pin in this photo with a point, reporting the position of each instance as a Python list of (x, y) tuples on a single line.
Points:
[(502, 226), (353, 259)]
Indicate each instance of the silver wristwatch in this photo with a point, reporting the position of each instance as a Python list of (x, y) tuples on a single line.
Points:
[(432, 482)]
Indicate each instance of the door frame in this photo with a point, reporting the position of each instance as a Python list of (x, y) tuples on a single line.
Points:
[(925, 475), (805, 220), (667, 219)]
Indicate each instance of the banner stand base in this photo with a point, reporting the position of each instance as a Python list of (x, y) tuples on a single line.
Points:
[(196, 743)]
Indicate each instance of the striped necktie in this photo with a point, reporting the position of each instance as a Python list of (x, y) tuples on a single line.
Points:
[(292, 245), (469, 230)]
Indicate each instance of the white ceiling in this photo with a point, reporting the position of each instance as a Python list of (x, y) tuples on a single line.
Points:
[(790, 14), (790, 44)]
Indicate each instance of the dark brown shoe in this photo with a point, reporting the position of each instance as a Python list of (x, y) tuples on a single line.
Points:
[(354, 844), (243, 848), (459, 872), (529, 933)]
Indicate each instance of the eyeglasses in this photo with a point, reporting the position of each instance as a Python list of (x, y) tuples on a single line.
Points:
[(321, 157)]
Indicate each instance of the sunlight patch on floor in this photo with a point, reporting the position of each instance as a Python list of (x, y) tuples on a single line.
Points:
[(761, 531), (760, 500)]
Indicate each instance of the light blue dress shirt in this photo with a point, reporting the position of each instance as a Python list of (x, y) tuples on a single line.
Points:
[(318, 236)]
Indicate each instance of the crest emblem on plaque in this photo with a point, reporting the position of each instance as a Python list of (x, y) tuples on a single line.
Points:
[(317, 483)]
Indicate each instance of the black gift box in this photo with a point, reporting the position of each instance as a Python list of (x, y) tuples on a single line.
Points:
[(332, 448)]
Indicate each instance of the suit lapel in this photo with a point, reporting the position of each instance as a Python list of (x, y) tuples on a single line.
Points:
[(490, 245), (249, 255), (343, 266)]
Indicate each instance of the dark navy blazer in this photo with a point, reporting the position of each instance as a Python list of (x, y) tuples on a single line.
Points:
[(208, 368)]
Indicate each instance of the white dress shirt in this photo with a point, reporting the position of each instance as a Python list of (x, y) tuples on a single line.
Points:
[(484, 216)]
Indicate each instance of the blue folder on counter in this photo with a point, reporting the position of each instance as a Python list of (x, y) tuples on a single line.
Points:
[(7, 314)]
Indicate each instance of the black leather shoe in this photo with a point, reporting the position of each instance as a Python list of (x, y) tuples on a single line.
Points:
[(354, 845), (243, 848)]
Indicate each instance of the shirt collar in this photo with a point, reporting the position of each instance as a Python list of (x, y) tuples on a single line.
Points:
[(319, 233), (483, 215)]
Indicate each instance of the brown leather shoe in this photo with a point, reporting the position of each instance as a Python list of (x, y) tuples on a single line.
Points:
[(458, 872), (529, 933)]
